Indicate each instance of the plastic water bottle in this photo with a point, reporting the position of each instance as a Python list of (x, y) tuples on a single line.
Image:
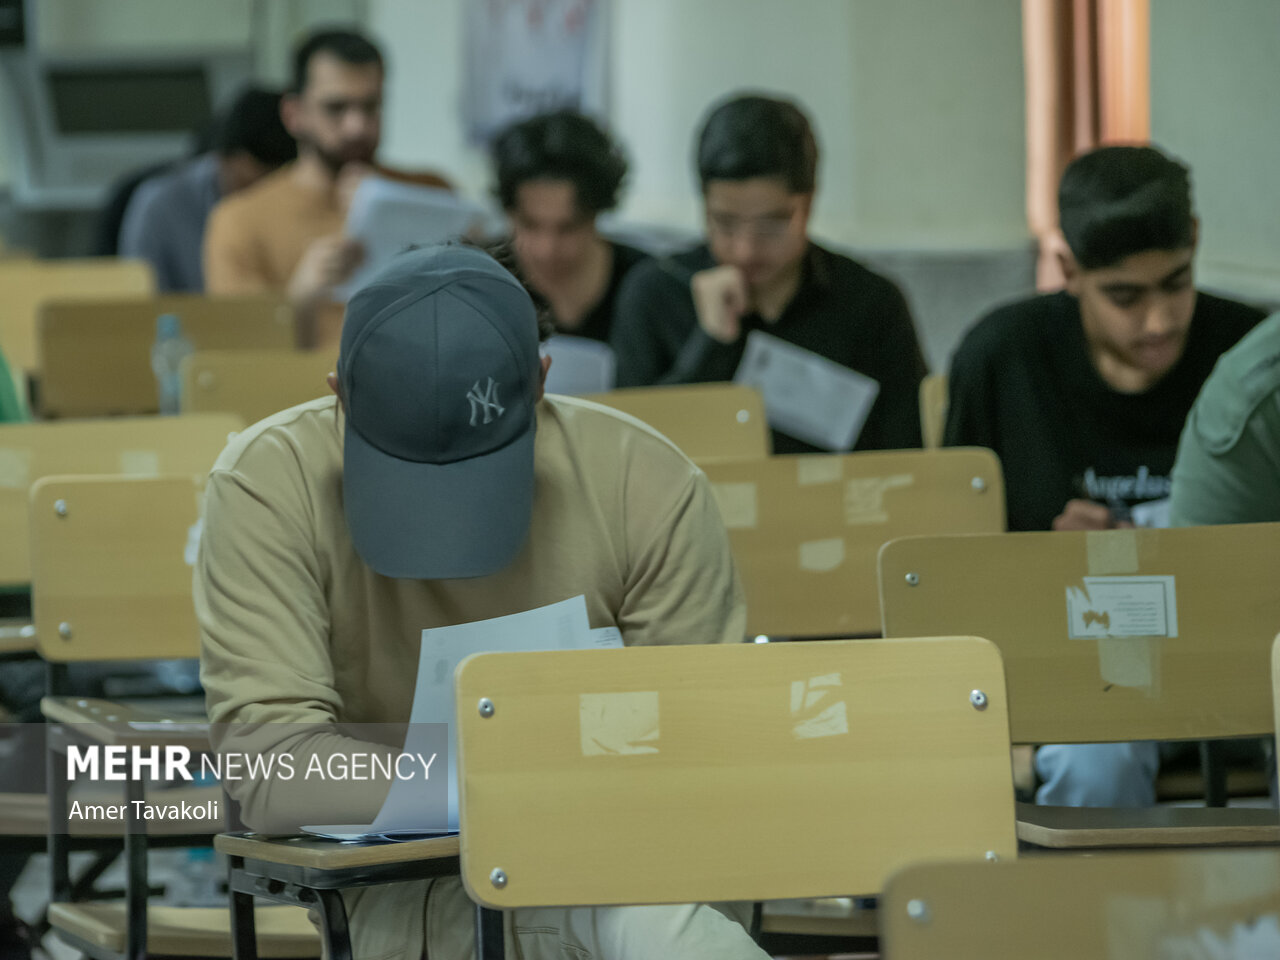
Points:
[(170, 346)]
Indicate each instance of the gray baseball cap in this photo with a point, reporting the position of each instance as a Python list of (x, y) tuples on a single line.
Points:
[(439, 371)]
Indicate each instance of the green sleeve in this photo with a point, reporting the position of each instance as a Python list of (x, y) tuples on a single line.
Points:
[(11, 406)]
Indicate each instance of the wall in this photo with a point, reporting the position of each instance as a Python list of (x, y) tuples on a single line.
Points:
[(1214, 73), (918, 106)]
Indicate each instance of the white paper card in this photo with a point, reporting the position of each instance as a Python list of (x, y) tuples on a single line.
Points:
[(579, 365), (1151, 513), (1123, 607), (806, 395), (557, 626), (387, 216)]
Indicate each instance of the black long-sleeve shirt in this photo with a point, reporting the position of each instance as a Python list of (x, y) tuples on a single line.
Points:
[(1023, 384), (842, 311)]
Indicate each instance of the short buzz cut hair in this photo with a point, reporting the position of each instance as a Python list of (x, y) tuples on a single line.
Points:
[(1114, 202), (346, 45), (559, 146), (749, 136)]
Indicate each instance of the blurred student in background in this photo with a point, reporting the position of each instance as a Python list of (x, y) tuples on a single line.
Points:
[(555, 174), (165, 220), (685, 319), (284, 233)]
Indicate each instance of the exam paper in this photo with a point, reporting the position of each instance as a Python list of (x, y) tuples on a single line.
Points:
[(557, 626), (387, 216), (806, 395), (579, 365)]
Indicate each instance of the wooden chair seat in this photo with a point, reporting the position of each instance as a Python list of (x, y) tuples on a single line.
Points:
[(1078, 828), (829, 917), (315, 853), (283, 931)]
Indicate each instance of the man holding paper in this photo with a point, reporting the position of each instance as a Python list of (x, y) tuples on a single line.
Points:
[(285, 233), (759, 280), (439, 488)]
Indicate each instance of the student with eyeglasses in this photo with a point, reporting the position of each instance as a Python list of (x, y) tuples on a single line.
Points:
[(685, 318)]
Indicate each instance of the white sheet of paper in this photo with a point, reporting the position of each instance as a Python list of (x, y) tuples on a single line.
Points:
[(557, 626), (806, 395), (1123, 607), (579, 365), (387, 216), (1151, 513)]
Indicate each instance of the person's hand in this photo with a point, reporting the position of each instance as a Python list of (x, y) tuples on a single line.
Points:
[(720, 298), (1087, 515), (327, 262)]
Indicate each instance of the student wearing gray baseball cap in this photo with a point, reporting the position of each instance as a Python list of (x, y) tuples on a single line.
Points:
[(439, 487)]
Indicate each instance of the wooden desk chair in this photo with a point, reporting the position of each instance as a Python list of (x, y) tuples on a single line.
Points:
[(1127, 905), (253, 384), (25, 284), (727, 773), (113, 584), (805, 528), (933, 409), (708, 421), (752, 781), (94, 359), (138, 446), (1066, 610)]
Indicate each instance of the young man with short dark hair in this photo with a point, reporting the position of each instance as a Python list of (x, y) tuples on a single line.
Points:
[(1083, 393), (556, 173), (685, 319)]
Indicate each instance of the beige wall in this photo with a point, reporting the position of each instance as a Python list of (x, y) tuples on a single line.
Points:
[(1215, 73), (918, 105)]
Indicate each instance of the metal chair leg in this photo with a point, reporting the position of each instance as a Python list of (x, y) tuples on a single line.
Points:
[(489, 938)]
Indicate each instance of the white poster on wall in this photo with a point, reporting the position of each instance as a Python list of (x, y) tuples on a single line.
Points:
[(525, 57)]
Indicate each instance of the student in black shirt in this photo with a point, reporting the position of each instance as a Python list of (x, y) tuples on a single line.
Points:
[(555, 174), (1083, 393), (684, 319)]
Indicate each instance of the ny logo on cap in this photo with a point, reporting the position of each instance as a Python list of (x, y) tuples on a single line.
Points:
[(487, 401)]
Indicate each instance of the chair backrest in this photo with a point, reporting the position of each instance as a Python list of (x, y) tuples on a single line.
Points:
[(805, 528), (708, 421), (1177, 905), (136, 446), (736, 772), (253, 383), (1106, 636), (26, 284), (933, 409), (95, 358), (110, 565)]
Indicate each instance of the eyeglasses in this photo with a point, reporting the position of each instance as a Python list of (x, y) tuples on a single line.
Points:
[(768, 228)]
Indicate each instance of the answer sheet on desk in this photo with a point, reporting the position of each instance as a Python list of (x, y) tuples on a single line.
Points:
[(557, 626), (806, 395)]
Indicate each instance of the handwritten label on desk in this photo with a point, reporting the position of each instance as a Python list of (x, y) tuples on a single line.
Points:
[(1123, 607)]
